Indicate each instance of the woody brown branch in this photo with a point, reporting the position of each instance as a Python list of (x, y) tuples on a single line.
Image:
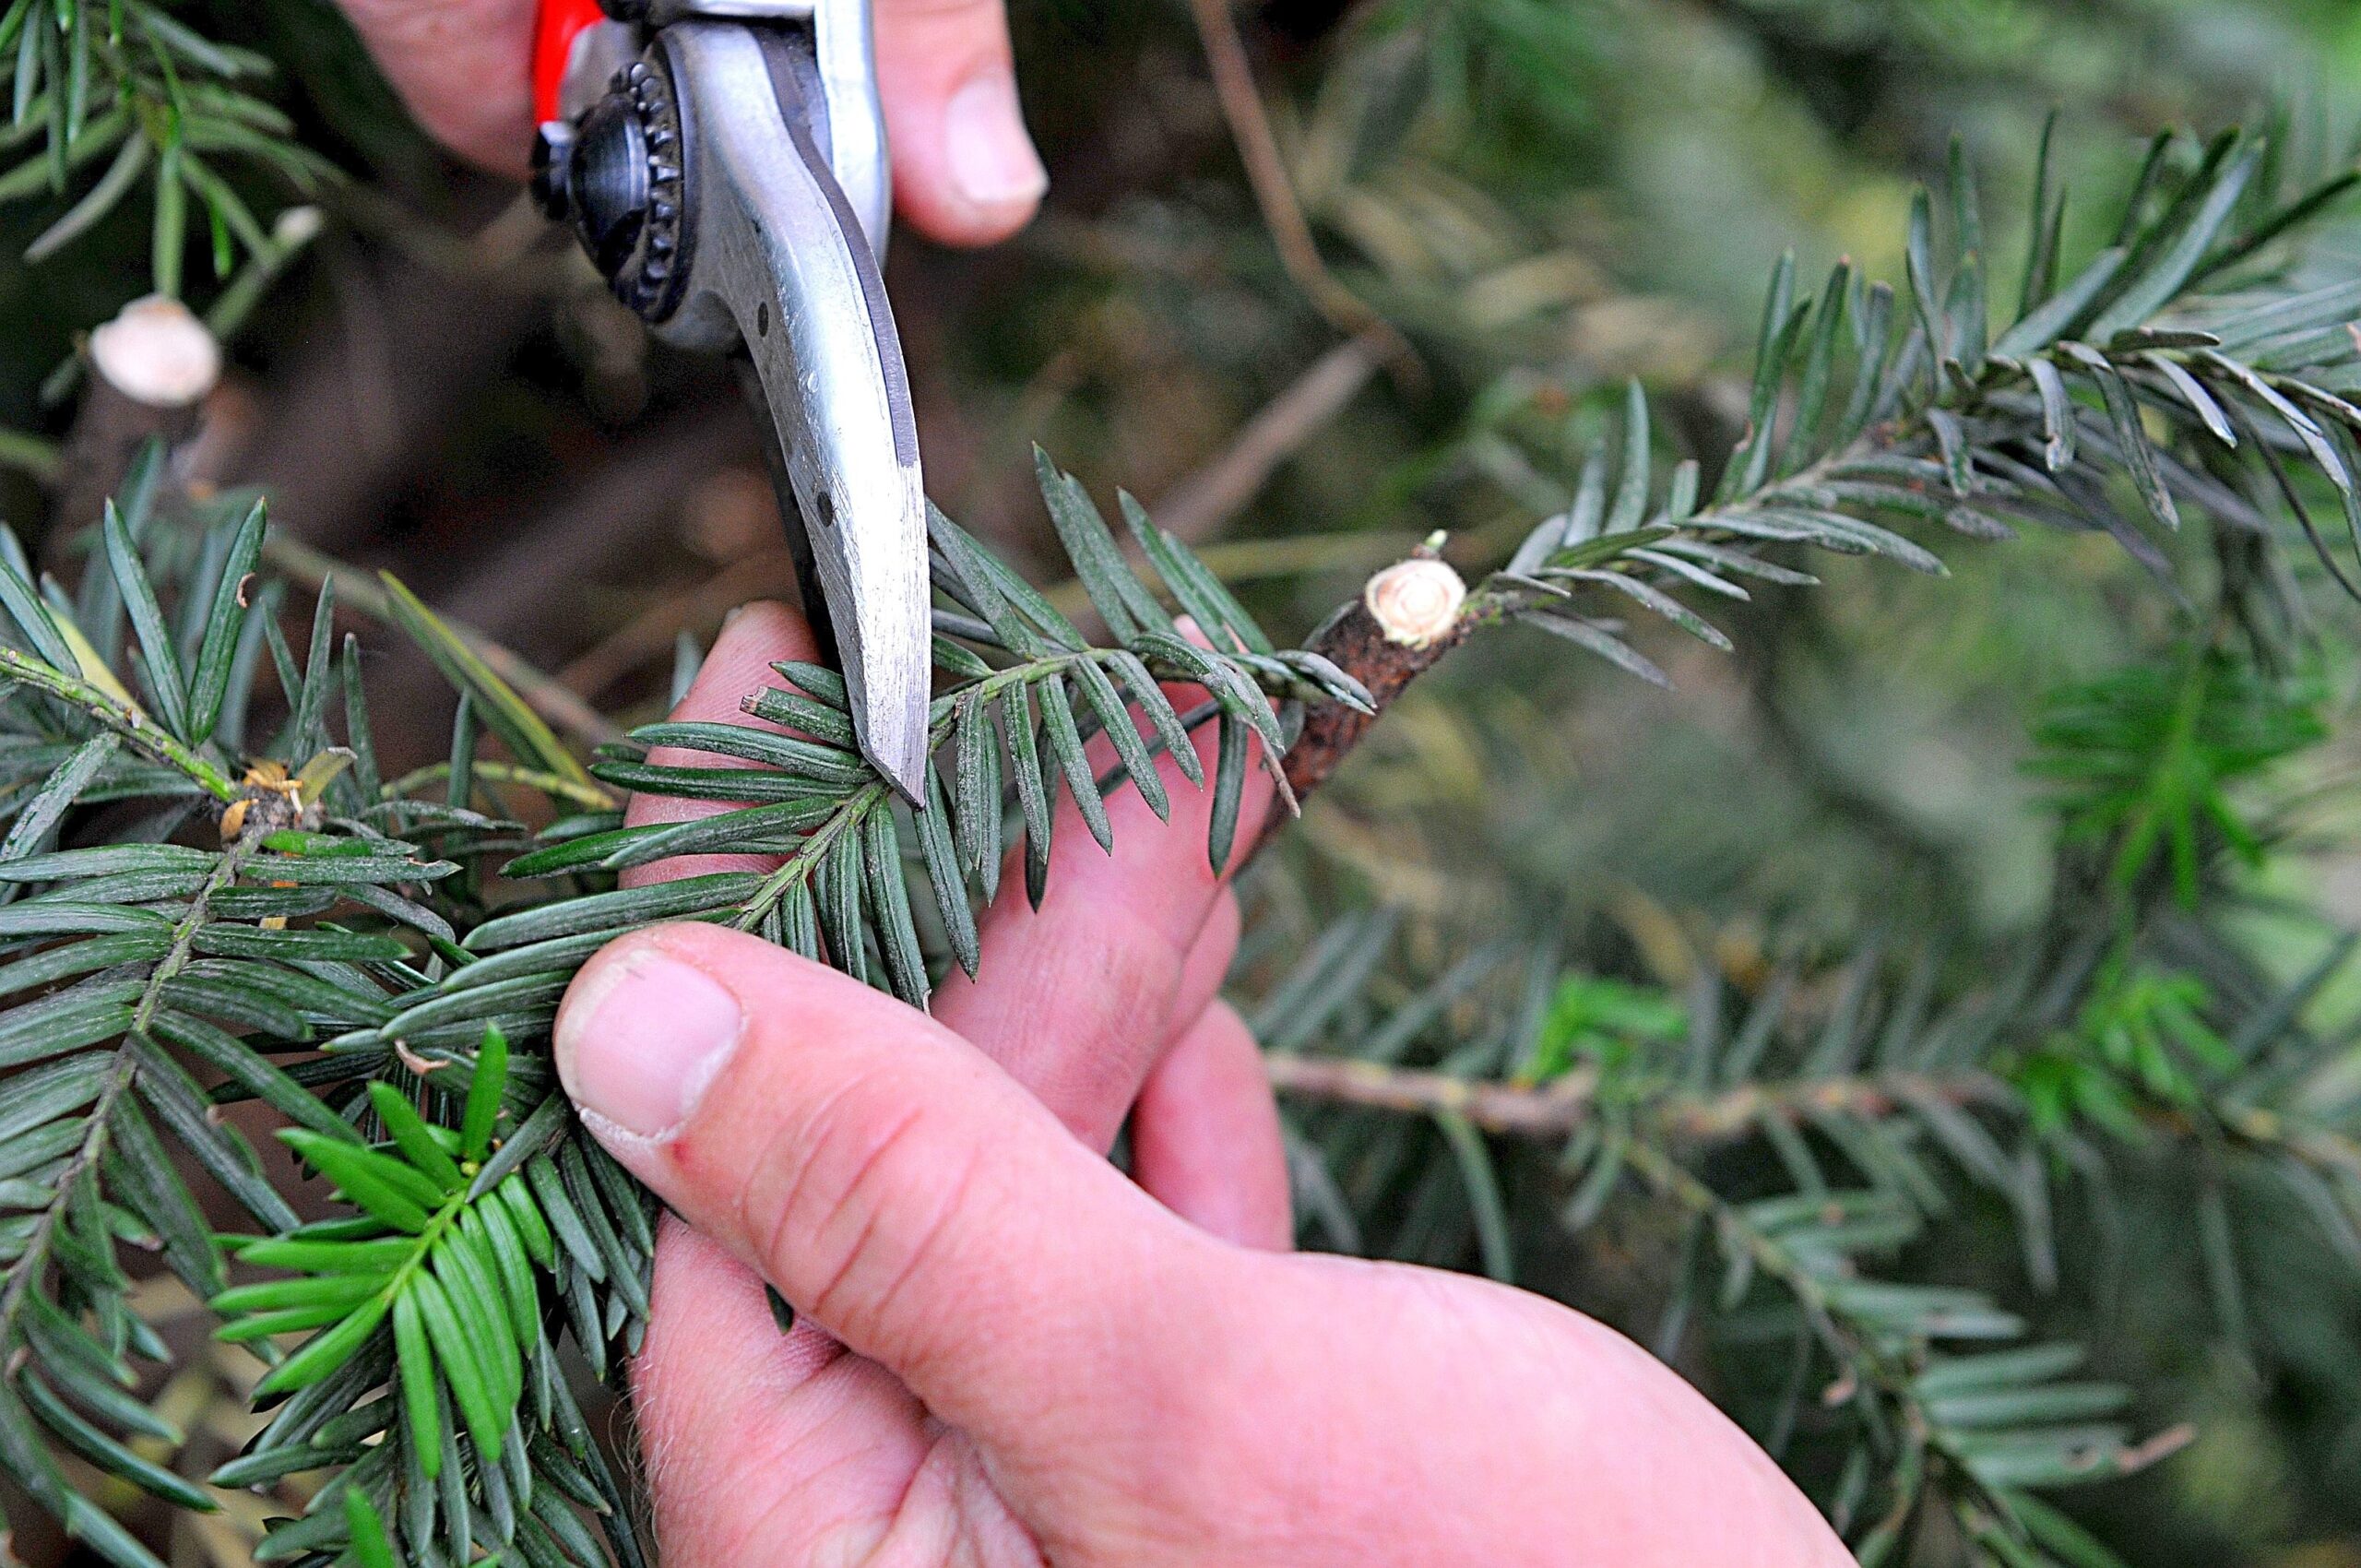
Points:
[(1385, 662), (1356, 644), (1558, 1108)]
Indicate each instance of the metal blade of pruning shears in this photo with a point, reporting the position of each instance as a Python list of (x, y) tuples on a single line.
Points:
[(723, 161)]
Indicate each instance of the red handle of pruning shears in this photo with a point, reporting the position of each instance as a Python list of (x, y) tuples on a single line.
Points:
[(562, 21)]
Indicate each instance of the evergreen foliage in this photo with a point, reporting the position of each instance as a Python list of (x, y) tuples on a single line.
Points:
[(214, 897), (108, 97), (346, 920)]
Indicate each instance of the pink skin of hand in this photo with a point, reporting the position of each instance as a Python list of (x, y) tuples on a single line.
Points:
[(964, 169), (1027, 1358)]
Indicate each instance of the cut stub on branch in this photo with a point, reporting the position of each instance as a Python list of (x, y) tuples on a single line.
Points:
[(1407, 617), (1415, 603), (157, 354), (151, 368)]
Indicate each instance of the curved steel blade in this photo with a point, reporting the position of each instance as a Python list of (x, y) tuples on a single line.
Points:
[(782, 264)]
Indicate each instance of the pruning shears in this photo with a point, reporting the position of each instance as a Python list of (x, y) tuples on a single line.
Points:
[(723, 162)]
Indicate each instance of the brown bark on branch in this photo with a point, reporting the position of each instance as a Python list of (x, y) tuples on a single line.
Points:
[(1509, 1109), (1557, 1109)]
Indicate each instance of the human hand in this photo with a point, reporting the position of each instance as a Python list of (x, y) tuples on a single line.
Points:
[(964, 171), (1034, 1360)]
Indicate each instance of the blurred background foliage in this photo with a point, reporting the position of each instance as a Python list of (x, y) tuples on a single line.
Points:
[(1545, 197)]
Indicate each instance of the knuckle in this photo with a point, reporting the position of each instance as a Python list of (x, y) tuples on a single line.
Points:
[(862, 1196)]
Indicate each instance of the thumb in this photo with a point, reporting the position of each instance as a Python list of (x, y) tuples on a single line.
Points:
[(464, 67), (895, 1185), (965, 169)]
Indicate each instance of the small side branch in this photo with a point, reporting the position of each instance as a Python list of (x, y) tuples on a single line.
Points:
[(32, 1263), (1241, 106), (144, 734), (1547, 1110), (1558, 1108)]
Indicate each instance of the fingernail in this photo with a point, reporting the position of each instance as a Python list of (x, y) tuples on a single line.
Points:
[(993, 160), (640, 1040)]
